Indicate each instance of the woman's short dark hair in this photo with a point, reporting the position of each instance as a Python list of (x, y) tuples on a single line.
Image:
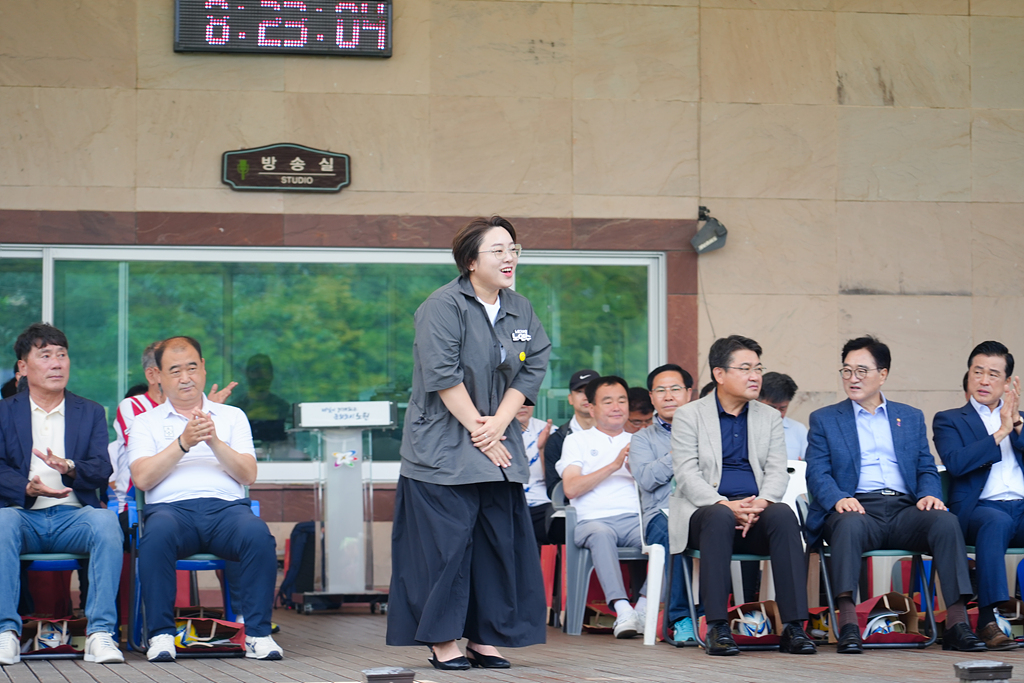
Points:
[(721, 351), (992, 348), (38, 335), (878, 350), (605, 381), (466, 243), (175, 343)]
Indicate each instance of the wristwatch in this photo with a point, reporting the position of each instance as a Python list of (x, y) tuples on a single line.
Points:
[(70, 463), (1019, 422)]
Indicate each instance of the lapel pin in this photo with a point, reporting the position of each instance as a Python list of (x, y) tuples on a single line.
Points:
[(898, 422)]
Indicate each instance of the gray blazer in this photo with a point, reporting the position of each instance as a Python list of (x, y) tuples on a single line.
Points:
[(697, 460)]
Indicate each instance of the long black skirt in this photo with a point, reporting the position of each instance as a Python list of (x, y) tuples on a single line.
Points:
[(464, 564)]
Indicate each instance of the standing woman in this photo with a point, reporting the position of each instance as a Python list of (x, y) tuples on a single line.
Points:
[(463, 555)]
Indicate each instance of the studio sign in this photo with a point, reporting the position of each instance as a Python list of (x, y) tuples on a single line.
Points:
[(286, 167)]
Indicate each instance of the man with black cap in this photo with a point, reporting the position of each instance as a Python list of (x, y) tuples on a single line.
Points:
[(581, 419)]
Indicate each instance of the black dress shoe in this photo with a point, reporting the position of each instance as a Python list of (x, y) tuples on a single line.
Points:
[(961, 637), (483, 661), (849, 640), (456, 664), (795, 641), (719, 640)]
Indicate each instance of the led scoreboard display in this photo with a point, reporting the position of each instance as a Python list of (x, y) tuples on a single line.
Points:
[(297, 27)]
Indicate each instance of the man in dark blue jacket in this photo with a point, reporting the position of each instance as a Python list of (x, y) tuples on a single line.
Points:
[(981, 446), (874, 484), (53, 457)]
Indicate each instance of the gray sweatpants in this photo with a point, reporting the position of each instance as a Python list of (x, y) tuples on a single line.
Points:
[(603, 537)]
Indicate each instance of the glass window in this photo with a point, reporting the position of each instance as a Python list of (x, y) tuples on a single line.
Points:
[(21, 304), (295, 332)]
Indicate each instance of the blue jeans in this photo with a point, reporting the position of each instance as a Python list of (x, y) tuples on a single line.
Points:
[(657, 534), (226, 528), (63, 529)]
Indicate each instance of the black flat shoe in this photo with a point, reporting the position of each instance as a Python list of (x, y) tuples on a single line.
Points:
[(486, 661), (961, 637), (794, 640), (719, 641), (456, 664), (849, 640)]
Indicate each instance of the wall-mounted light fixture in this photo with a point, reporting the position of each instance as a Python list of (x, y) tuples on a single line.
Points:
[(711, 235)]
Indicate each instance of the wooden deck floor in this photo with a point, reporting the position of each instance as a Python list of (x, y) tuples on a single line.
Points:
[(336, 647)]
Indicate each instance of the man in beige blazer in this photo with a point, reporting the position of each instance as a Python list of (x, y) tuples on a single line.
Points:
[(729, 460)]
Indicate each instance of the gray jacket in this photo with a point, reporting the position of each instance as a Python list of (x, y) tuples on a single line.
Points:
[(697, 460), (650, 461), (456, 343)]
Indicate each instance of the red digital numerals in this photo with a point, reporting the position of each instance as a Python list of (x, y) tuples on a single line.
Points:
[(356, 24), (353, 19)]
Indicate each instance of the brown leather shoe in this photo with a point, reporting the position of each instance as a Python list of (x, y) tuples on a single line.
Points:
[(995, 639)]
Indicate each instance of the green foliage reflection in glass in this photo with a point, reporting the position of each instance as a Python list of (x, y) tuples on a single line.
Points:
[(332, 331), (21, 304)]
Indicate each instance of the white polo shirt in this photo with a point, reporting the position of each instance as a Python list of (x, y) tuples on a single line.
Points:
[(592, 449), (198, 474)]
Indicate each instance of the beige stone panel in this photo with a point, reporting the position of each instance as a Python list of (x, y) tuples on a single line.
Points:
[(806, 402), (497, 49), (213, 200), (634, 52), (997, 8), (904, 6), (768, 57), (500, 145), (786, 246), (929, 336), (1001, 318), (624, 147), (355, 202), (903, 60), (159, 66), (43, 198), (480, 204), (904, 248), (797, 333), (997, 52), (386, 135), (817, 5), (997, 156), (782, 151), (612, 206), (382, 553), (182, 134), (406, 72), (666, 3), (66, 136), (997, 249), (64, 44), (904, 154)]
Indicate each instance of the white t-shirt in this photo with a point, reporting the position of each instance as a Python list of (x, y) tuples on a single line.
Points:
[(48, 433), (591, 450), (796, 438), (536, 491), (198, 474), (127, 411)]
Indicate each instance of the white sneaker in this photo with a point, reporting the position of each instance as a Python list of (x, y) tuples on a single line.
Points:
[(101, 648), (161, 648), (641, 621), (627, 625), (262, 648), (10, 647)]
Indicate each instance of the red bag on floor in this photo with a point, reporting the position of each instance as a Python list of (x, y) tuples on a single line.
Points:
[(55, 636)]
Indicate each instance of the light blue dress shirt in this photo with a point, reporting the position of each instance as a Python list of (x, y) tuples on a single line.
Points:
[(878, 466)]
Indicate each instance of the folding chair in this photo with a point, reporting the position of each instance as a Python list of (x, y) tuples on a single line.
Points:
[(137, 633), (655, 574), (918, 578), (579, 565), (53, 562)]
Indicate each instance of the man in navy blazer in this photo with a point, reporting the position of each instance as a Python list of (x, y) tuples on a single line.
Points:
[(53, 457), (980, 443), (874, 484)]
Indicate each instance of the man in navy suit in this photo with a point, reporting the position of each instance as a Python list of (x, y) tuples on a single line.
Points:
[(53, 457), (874, 485), (981, 446)]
